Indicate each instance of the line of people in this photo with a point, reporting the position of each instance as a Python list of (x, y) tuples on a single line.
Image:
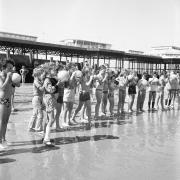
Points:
[(55, 87)]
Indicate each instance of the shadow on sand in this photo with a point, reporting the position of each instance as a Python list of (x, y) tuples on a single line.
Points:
[(6, 160), (58, 141)]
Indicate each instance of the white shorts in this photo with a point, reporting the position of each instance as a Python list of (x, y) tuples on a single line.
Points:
[(69, 95)]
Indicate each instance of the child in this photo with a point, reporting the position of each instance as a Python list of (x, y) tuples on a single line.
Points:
[(59, 104), (5, 100), (122, 83), (37, 101), (69, 96), (153, 87), (50, 103), (174, 86), (142, 85), (84, 95), (160, 92), (132, 82), (111, 87), (105, 92), (99, 80)]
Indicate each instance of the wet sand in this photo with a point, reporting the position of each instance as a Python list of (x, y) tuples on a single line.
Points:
[(142, 146)]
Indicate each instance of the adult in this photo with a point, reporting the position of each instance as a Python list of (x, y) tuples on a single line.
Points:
[(23, 72)]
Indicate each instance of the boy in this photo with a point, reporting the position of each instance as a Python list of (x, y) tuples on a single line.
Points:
[(6, 90)]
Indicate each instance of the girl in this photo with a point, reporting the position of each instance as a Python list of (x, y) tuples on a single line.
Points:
[(84, 95), (122, 83), (50, 102), (37, 101), (59, 104), (132, 82), (160, 91), (69, 96), (100, 79), (142, 85), (153, 87), (111, 87)]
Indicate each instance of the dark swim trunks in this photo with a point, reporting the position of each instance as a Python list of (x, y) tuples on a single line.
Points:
[(132, 89), (84, 96), (60, 99), (5, 102)]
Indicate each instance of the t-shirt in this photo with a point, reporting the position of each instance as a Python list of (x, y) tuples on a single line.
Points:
[(142, 84), (122, 81), (173, 81), (153, 84), (162, 83)]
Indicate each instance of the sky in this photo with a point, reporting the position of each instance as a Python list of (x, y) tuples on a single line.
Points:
[(126, 24)]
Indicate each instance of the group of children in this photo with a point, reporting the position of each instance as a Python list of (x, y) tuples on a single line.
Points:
[(55, 87)]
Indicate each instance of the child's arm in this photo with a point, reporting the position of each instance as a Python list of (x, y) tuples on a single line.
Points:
[(90, 81), (48, 86), (38, 85), (105, 78), (139, 84), (3, 84)]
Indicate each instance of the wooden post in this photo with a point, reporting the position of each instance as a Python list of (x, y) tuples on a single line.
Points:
[(77, 58), (98, 60), (71, 57), (116, 63), (60, 57), (36, 54), (46, 54)]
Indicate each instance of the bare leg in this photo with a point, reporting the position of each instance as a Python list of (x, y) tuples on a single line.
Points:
[(88, 105), (111, 106), (57, 115), (66, 108), (50, 120), (8, 113), (3, 112), (39, 120), (70, 111), (104, 102), (98, 98), (81, 103)]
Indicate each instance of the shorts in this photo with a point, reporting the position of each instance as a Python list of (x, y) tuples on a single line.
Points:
[(105, 92), (37, 102), (50, 102), (84, 96), (69, 95), (60, 99), (173, 90), (132, 90), (110, 94), (5, 102)]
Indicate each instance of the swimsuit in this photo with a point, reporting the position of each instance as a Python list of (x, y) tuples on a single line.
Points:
[(5, 101), (84, 96)]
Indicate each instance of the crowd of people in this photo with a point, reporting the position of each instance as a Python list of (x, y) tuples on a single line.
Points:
[(55, 86)]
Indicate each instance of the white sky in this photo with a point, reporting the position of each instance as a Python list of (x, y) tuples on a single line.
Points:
[(126, 24)]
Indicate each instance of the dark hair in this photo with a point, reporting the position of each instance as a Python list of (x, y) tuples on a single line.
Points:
[(59, 67), (8, 61)]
